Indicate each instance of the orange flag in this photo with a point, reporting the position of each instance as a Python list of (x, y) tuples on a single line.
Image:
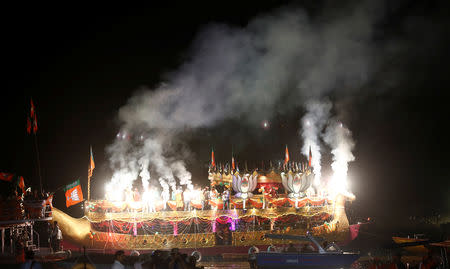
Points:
[(6, 176), (91, 165), (286, 156), (32, 109), (310, 157), (213, 161), (22, 184), (74, 195)]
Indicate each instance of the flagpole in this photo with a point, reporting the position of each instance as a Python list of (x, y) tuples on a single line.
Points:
[(89, 186), (89, 174), (38, 161)]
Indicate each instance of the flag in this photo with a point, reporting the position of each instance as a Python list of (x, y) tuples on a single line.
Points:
[(32, 109), (22, 184), (91, 165), (35, 123), (213, 162), (354, 231), (49, 201), (310, 157), (32, 119), (28, 125), (233, 165), (74, 195), (286, 156), (6, 176)]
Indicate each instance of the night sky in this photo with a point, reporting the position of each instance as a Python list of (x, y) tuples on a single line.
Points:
[(80, 64)]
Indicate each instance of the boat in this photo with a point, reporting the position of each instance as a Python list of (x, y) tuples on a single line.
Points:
[(414, 244), (330, 256), (287, 209)]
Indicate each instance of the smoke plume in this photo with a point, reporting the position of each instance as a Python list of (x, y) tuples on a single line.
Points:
[(339, 138), (280, 58), (312, 125)]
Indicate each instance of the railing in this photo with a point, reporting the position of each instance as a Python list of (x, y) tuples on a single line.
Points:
[(38, 240)]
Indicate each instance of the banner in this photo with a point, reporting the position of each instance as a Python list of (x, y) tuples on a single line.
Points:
[(74, 195), (6, 176)]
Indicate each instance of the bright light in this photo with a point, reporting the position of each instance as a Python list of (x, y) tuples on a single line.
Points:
[(265, 125), (113, 194)]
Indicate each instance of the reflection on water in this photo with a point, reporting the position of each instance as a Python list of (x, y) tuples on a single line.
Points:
[(214, 265)]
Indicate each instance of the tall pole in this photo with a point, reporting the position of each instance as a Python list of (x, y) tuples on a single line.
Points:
[(89, 186), (38, 161)]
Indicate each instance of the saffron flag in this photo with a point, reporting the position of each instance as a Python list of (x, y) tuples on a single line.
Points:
[(49, 201), (91, 165), (286, 156), (354, 231), (22, 184), (233, 165), (310, 157), (6, 176), (74, 195), (32, 109), (213, 161), (32, 119), (28, 125)]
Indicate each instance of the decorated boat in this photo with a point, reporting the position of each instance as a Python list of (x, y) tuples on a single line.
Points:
[(276, 201)]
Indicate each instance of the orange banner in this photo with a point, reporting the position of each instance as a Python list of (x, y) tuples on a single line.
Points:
[(74, 195)]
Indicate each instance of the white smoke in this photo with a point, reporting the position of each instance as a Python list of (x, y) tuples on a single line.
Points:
[(144, 174), (244, 72), (313, 122), (184, 176), (339, 138)]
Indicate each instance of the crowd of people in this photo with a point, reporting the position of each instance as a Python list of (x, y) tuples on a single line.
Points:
[(182, 198), (55, 237), (174, 259), (158, 260)]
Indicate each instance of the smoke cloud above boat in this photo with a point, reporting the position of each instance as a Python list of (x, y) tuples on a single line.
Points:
[(283, 57)]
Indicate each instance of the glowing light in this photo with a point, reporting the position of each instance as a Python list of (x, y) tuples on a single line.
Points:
[(265, 125)]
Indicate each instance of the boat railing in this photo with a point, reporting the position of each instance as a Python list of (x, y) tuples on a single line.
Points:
[(38, 240)]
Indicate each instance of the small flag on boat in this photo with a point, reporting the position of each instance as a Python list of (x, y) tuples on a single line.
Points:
[(32, 119), (74, 195), (91, 165), (21, 184), (310, 157), (286, 156), (213, 161)]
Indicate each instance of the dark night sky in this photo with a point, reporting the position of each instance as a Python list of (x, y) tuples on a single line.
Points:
[(81, 64)]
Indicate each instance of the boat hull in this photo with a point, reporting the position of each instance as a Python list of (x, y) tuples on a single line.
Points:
[(268, 260)]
